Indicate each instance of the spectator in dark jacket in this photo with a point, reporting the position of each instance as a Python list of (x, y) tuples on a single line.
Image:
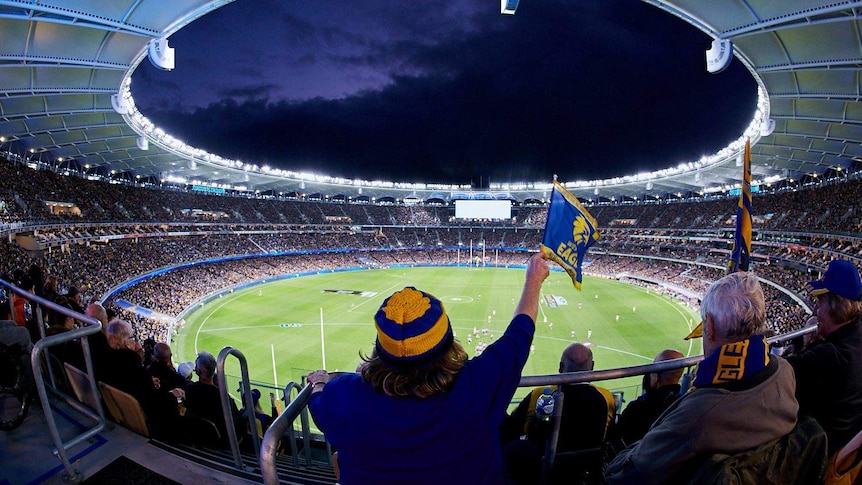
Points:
[(661, 389), (829, 373)]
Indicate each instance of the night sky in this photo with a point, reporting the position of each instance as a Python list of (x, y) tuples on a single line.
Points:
[(449, 91)]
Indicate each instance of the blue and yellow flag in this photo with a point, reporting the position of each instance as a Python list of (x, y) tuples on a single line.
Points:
[(741, 254), (569, 231)]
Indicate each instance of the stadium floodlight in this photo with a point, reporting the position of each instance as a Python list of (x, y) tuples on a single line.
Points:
[(719, 55), (119, 103), (161, 54), (508, 7), (143, 143), (767, 127)]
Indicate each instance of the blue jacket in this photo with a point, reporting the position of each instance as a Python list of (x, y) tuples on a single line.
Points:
[(451, 437)]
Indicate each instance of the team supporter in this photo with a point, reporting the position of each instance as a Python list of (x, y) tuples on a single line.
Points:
[(743, 396), (587, 411), (419, 411), (829, 372), (661, 389)]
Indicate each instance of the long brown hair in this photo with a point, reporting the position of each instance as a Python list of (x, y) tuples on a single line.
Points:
[(420, 382), (841, 309)]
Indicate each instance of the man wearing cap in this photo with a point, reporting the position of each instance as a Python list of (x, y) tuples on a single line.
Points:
[(419, 411), (742, 396), (829, 372)]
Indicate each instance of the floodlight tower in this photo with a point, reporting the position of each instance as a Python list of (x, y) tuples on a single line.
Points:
[(508, 7)]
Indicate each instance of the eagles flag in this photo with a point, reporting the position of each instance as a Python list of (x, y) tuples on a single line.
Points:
[(741, 253), (569, 231)]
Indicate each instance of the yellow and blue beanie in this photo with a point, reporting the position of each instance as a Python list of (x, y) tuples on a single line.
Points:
[(412, 328)]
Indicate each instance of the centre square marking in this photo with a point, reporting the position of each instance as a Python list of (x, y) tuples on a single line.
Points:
[(457, 299)]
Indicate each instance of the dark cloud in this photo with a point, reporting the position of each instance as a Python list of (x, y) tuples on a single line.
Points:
[(584, 91), (253, 92)]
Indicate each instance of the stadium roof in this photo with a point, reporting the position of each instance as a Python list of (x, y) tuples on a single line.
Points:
[(62, 60)]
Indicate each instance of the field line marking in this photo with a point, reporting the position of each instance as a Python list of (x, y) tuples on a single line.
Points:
[(227, 300), (385, 292), (541, 299), (224, 329), (675, 305), (648, 359)]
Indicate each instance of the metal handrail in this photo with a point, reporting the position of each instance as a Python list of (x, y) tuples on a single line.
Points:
[(225, 403), (91, 327), (304, 424), (299, 405)]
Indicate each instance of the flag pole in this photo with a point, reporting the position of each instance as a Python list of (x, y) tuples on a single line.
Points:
[(274, 374), (322, 346), (740, 255)]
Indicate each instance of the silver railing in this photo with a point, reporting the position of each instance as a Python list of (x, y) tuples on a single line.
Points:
[(40, 348), (290, 432), (245, 390), (297, 407), (300, 404)]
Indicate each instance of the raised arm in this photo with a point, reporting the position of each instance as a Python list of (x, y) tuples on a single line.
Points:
[(537, 271)]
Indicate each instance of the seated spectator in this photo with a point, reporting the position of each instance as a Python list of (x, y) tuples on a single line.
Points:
[(587, 411), (70, 352), (264, 419), (23, 309), (12, 335), (98, 341), (58, 322), (76, 299), (829, 372), (185, 370), (148, 346), (16, 337), (661, 389), (49, 289), (203, 398), (122, 367), (743, 396), (420, 412), (162, 368)]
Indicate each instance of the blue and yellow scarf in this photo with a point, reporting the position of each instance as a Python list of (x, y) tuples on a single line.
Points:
[(733, 362)]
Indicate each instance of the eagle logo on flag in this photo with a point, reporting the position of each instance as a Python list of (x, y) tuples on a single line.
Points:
[(569, 231), (581, 231)]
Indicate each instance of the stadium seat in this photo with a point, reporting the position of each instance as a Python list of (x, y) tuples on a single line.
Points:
[(125, 409), (200, 432), (580, 418), (80, 383), (845, 468)]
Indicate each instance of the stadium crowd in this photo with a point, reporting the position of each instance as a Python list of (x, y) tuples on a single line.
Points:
[(114, 234)]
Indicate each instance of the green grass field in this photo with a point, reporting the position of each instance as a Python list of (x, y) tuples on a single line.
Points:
[(277, 326)]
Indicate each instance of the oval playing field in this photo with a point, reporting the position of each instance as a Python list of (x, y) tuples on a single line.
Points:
[(289, 327)]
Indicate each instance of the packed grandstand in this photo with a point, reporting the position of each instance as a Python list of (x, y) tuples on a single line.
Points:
[(165, 243), (109, 234)]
